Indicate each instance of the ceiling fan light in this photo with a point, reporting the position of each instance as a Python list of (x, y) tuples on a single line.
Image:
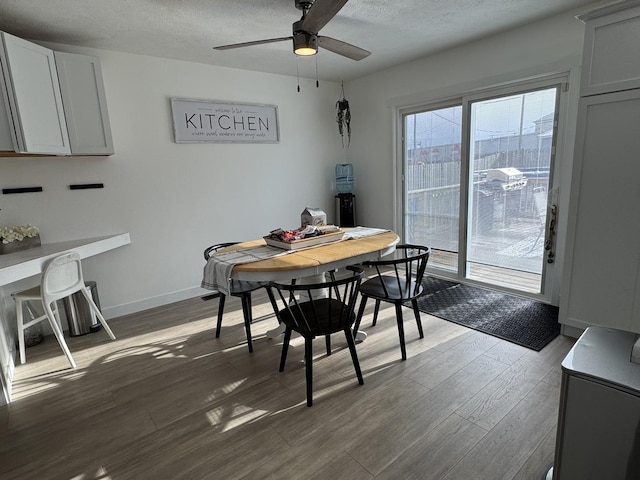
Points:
[(305, 44), (305, 51)]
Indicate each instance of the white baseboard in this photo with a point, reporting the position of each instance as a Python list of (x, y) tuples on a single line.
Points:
[(152, 302), (571, 331)]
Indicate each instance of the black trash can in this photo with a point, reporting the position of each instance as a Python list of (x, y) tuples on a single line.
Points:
[(80, 318)]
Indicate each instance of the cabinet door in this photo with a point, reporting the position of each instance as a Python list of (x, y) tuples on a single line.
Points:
[(6, 129), (610, 57), (33, 97), (85, 105), (603, 245)]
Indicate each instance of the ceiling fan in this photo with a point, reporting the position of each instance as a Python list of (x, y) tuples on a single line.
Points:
[(306, 41)]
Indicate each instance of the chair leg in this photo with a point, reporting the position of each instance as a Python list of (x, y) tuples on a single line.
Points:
[(220, 311), (246, 313), (53, 322), (308, 360), (56, 315), (327, 341), (401, 330), (356, 325), (354, 355), (97, 311), (20, 325), (285, 348), (375, 313), (274, 305), (416, 312)]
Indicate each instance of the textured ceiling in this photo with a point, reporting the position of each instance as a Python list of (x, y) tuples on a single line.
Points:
[(395, 31)]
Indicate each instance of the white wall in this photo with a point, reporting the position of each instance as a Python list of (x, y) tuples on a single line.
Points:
[(177, 199), (549, 46)]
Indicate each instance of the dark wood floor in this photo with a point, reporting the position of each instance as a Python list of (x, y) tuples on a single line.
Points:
[(169, 401)]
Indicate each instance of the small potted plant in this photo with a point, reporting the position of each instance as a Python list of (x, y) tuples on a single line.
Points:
[(20, 237), (343, 118)]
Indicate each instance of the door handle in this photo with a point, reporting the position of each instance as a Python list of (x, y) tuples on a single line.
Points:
[(550, 235)]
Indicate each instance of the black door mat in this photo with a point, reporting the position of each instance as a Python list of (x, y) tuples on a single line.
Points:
[(524, 322)]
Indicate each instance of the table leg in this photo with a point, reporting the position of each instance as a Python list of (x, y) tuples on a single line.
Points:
[(360, 336), (276, 332)]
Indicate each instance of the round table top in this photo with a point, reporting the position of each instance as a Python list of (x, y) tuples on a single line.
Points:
[(315, 260)]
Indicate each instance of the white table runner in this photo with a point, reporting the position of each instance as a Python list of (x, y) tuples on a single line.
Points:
[(217, 271)]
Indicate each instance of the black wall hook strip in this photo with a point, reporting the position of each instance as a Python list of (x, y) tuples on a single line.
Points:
[(84, 186), (8, 191)]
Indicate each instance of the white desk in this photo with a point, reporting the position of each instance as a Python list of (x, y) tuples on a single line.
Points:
[(27, 263)]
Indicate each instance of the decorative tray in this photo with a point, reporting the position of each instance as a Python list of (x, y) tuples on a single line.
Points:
[(305, 242)]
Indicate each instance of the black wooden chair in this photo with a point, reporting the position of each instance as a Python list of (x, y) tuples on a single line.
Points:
[(318, 309), (239, 289), (396, 281)]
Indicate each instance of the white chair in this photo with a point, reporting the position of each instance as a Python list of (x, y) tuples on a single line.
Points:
[(61, 277)]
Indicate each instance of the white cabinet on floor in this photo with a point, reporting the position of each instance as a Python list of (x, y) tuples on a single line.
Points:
[(599, 416), (32, 97), (85, 105)]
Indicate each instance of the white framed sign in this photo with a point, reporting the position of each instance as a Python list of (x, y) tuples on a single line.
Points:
[(200, 121)]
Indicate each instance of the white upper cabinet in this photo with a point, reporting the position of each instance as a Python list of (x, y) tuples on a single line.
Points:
[(85, 105), (32, 97), (611, 59), (54, 103)]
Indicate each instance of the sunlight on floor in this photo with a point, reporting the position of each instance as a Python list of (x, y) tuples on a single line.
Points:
[(238, 415), (100, 474)]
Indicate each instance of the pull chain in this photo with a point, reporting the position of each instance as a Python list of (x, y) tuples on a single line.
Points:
[(317, 83), (297, 74)]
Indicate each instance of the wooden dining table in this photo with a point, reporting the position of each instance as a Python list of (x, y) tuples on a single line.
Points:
[(311, 263), (314, 260)]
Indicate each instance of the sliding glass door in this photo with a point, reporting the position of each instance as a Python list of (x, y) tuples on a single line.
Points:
[(476, 185), (432, 182)]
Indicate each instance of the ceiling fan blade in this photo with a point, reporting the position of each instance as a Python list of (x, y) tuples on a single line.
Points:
[(320, 13), (342, 48), (249, 44)]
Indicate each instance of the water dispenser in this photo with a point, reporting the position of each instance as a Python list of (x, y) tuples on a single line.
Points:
[(345, 200)]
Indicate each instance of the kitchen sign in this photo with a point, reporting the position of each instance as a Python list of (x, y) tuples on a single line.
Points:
[(201, 121)]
